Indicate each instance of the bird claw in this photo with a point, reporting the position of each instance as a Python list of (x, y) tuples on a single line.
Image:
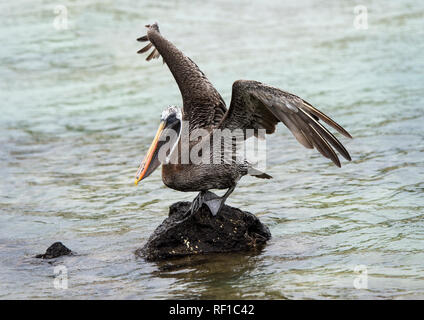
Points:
[(196, 204), (214, 202)]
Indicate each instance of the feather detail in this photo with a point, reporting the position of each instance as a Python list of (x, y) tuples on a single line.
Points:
[(151, 55), (146, 48), (252, 102), (143, 39)]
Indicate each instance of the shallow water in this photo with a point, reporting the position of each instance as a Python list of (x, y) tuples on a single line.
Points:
[(80, 107)]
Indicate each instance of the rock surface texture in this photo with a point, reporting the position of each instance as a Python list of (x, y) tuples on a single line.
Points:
[(57, 249), (201, 233)]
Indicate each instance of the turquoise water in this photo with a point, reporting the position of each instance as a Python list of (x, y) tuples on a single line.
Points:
[(79, 109)]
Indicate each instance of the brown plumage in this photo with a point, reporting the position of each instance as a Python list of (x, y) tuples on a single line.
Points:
[(254, 105)]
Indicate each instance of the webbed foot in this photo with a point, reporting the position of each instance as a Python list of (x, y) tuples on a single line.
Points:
[(214, 202)]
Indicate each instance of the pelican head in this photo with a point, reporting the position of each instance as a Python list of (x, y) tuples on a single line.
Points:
[(170, 120)]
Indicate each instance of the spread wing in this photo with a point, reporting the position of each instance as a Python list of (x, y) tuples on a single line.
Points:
[(255, 105), (203, 106)]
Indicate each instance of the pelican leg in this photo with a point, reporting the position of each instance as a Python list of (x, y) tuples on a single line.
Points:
[(196, 204), (214, 202)]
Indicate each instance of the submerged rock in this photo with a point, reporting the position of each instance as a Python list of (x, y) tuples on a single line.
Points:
[(201, 233), (57, 249)]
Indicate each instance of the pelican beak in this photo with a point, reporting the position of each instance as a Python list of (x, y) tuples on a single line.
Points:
[(143, 171)]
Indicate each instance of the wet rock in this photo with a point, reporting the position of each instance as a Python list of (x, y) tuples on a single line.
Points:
[(57, 249), (201, 233)]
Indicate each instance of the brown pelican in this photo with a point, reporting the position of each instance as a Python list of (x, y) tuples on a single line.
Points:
[(254, 105)]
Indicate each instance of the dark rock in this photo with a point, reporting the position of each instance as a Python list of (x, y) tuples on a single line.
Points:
[(57, 249), (201, 233)]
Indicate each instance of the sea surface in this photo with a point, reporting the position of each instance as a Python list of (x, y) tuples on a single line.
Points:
[(79, 108)]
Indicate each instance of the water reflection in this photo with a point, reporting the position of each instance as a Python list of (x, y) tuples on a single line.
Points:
[(213, 276)]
